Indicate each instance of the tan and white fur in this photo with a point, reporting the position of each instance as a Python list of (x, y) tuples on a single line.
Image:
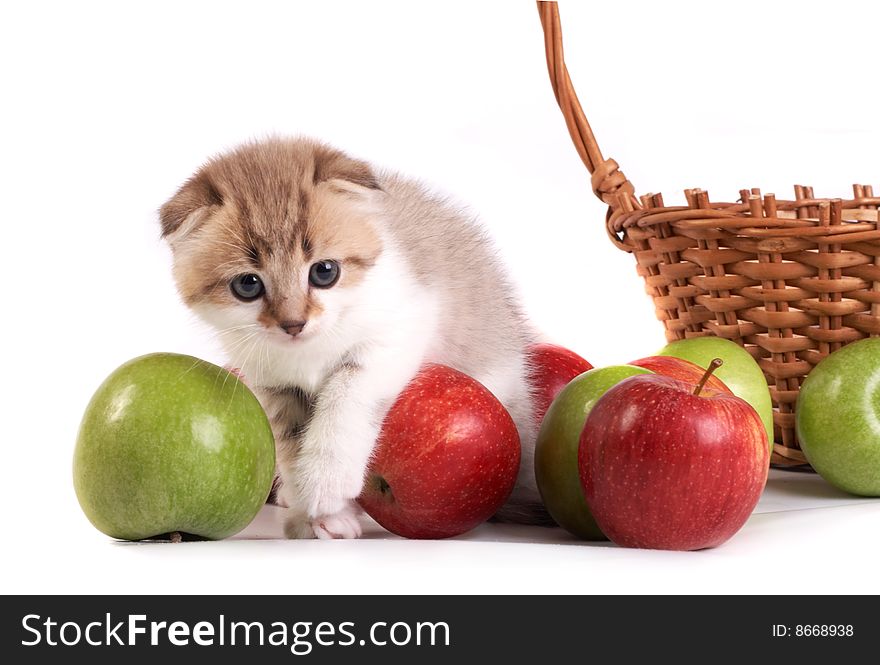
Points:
[(418, 282)]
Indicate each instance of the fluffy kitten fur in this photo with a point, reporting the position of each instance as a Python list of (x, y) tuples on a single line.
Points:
[(419, 283)]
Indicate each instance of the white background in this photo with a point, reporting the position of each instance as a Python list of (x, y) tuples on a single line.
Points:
[(107, 107)]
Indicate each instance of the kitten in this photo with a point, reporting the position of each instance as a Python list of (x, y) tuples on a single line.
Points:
[(330, 285)]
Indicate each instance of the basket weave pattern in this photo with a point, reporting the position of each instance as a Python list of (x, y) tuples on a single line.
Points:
[(790, 280)]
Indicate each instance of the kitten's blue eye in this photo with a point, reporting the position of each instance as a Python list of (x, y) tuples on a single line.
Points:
[(247, 287), (324, 274)]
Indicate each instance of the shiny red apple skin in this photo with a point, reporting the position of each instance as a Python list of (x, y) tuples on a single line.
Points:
[(662, 468), (446, 459), (551, 368), (681, 369)]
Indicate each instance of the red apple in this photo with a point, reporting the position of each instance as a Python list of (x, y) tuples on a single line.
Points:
[(551, 368), (678, 368), (665, 466), (446, 459)]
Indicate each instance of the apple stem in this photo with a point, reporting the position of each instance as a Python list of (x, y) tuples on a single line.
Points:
[(175, 537), (384, 488), (715, 364)]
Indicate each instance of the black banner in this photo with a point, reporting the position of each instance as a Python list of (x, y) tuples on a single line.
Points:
[(433, 629)]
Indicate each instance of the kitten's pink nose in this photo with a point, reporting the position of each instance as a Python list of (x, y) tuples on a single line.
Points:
[(292, 328)]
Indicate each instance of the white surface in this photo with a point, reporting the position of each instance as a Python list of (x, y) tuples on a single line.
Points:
[(804, 537), (107, 107)]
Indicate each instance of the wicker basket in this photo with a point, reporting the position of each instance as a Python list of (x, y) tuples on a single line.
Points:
[(791, 281)]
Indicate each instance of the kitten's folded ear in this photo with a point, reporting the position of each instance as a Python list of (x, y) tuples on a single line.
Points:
[(182, 212), (332, 165)]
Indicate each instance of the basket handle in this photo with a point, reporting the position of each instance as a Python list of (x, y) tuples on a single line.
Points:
[(608, 182)]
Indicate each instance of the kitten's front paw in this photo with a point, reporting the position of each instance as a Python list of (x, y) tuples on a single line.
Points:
[(344, 524), (326, 491)]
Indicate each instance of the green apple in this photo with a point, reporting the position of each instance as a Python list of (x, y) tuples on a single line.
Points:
[(739, 372), (556, 450), (838, 418), (170, 443)]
